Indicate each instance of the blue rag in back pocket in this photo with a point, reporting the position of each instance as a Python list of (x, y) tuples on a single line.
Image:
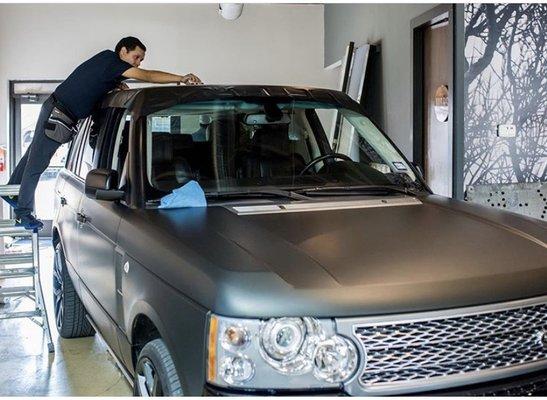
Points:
[(189, 195)]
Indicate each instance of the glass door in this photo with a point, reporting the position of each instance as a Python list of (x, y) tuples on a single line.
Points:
[(26, 109)]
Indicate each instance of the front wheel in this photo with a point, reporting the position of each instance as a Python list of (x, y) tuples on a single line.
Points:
[(155, 374)]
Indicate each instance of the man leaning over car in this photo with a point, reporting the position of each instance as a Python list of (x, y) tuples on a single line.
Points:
[(73, 100)]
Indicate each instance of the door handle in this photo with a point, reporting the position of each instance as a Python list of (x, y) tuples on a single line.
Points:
[(81, 218), (63, 201)]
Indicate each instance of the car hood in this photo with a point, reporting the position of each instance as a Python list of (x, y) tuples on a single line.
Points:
[(436, 254)]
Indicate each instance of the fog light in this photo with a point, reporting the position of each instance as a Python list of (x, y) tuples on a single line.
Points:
[(335, 360), (236, 370)]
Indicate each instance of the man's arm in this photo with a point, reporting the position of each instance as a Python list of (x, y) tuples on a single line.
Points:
[(160, 76)]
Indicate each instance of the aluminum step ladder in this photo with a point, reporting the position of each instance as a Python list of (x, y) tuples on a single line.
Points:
[(24, 265)]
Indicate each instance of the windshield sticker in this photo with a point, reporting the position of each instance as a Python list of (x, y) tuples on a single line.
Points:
[(399, 166)]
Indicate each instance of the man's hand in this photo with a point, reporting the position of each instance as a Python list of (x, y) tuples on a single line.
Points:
[(121, 86), (190, 79)]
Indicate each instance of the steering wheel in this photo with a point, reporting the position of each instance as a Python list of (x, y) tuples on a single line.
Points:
[(322, 158)]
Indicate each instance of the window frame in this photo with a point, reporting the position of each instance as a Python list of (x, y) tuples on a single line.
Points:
[(103, 119), (146, 194), (117, 126), (117, 118), (107, 136)]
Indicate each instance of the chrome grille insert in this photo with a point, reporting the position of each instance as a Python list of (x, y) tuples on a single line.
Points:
[(426, 351)]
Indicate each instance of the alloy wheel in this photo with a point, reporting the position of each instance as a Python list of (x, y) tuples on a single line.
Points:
[(58, 288), (148, 379)]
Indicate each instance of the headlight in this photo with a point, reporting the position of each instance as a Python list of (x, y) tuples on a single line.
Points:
[(278, 353), (287, 344)]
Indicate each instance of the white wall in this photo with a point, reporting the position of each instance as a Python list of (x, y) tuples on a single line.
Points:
[(387, 25), (270, 44)]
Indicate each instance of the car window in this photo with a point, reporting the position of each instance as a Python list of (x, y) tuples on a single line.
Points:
[(120, 155), (121, 142), (240, 145), (221, 144), (74, 151), (89, 143)]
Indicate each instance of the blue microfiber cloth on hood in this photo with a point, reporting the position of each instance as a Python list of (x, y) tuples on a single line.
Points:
[(189, 195)]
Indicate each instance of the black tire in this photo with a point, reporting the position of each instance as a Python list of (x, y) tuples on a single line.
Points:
[(155, 373), (70, 314)]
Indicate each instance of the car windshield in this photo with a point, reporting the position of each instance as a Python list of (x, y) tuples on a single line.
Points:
[(235, 146)]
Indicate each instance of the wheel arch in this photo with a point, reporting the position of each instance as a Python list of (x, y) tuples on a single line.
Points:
[(144, 325), (144, 316)]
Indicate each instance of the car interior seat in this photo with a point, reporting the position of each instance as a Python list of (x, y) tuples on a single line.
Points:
[(170, 168), (270, 153)]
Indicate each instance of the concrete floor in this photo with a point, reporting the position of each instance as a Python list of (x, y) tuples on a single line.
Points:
[(79, 367)]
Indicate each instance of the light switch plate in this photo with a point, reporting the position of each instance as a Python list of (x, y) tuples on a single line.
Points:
[(507, 131)]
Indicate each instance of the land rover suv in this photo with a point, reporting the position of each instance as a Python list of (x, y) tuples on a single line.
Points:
[(321, 263)]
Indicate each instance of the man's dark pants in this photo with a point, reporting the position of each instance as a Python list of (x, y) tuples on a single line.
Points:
[(34, 162)]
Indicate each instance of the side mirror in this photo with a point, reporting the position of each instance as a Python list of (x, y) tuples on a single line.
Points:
[(101, 184)]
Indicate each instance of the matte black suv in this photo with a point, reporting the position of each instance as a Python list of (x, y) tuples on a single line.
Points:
[(321, 264)]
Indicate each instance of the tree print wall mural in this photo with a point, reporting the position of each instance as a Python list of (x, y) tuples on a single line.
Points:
[(505, 83)]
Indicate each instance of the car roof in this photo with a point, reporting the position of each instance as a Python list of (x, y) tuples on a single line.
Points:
[(143, 101)]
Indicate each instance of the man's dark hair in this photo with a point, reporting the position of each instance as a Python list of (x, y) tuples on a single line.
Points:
[(130, 43)]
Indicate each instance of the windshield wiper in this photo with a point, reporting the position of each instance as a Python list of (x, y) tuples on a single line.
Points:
[(258, 192), (353, 189)]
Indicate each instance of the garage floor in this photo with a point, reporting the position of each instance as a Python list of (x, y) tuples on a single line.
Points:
[(79, 367)]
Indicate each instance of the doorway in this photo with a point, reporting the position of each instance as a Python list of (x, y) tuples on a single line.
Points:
[(26, 99), (433, 95)]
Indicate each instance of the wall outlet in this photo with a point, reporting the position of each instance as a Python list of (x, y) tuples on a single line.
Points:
[(507, 131)]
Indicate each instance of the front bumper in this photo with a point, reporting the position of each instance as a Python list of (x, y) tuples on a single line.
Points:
[(525, 385)]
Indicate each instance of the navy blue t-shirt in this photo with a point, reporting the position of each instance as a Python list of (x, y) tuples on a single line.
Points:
[(88, 84)]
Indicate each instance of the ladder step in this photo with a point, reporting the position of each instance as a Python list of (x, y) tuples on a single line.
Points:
[(22, 258), (20, 314), (16, 273), (17, 291), (9, 190), (11, 230), (7, 222), (8, 228)]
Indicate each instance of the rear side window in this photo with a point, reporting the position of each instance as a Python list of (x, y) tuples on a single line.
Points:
[(89, 145), (72, 159), (88, 151), (121, 143)]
